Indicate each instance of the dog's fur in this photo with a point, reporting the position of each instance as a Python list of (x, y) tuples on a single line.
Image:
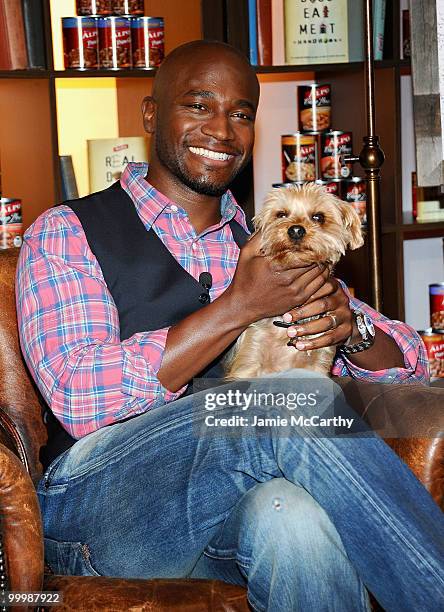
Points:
[(262, 347)]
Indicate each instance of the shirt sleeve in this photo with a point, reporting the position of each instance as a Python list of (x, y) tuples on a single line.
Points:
[(415, 368), (70, 336)]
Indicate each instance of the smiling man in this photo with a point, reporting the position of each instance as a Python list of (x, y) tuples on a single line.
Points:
[(123, 297)]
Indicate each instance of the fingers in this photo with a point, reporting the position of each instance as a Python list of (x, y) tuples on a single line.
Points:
[(335, 328), (328, 298)]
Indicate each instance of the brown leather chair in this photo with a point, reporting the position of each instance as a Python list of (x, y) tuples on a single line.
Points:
[(23, 433)]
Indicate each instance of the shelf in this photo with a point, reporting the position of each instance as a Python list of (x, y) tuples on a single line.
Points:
[(24, 74), (411, 230), (68, 74)]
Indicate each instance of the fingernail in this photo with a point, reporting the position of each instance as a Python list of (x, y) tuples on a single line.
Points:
[(291, 332), (287, 317), (300, 346)]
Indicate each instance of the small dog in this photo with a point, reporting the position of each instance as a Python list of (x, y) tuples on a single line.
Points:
[(305, 225)]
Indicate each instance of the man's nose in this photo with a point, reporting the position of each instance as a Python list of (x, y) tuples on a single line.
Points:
[(218, 126)]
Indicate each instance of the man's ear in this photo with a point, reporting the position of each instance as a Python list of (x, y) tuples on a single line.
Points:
[(149, 108)]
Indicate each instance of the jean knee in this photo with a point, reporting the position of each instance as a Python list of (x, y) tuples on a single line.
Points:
[(282, 515)]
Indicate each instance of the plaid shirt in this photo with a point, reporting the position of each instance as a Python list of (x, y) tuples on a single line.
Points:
[(69, 324)]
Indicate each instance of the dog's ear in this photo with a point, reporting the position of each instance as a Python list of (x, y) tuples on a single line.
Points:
[(352, 224)]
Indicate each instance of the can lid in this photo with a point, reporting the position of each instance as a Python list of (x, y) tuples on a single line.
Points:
[(436, 285), (437, 331)]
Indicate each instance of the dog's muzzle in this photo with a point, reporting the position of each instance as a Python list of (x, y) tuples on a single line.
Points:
[(296, 232)]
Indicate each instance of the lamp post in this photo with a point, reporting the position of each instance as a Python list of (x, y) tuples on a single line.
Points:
[(371, 159)]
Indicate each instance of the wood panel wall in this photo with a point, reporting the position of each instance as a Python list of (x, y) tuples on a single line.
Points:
[(25, 145)]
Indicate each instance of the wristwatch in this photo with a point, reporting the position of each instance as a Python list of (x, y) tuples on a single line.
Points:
[(367, 331)]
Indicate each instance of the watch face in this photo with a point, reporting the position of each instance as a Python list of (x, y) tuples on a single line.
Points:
[(369, 326)]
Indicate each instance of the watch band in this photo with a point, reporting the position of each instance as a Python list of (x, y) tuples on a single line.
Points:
[(368, 337), (356, 348)]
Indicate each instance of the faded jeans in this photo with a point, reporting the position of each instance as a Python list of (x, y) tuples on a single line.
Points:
[(303, 519)]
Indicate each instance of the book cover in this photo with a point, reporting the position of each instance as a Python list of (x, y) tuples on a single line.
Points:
[(323, 33), (264, 33), (69, 183), (252, 31), (13, 54), (379, 8), (107, 157), (278, 32), (34, 33)]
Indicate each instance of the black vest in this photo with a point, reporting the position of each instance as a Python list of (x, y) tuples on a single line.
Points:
[(150, 288)]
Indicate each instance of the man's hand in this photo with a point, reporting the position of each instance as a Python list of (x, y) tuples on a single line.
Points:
[(336, 326), (263, 287)]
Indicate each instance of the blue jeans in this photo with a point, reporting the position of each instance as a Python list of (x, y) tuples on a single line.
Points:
[(159, 495)]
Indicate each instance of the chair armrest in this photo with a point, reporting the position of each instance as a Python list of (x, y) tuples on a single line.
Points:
[(21, 525), (91, 593), (410, 418)]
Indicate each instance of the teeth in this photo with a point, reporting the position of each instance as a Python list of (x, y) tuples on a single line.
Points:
[(210, 154)]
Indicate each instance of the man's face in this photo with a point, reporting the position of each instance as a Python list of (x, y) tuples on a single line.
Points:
[(205, 124)]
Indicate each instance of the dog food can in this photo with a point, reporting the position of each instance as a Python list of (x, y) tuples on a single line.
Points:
[(434, 343), (333, 186), (128, 7), (114, 43), (314, 107), (355, 192), (11, 228), (335, 144), (80, 48), (298, 157), (436, 295), (97, 8), (147, 36)]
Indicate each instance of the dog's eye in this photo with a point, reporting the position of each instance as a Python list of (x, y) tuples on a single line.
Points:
[(281, 214), (318, 217)]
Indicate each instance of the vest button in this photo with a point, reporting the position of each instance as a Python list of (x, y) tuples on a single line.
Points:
[(204, 298)]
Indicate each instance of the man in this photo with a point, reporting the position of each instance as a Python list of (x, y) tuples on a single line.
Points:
[(114, 324)]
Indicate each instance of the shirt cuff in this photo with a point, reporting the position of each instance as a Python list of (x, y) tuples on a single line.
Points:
[(145, 353)]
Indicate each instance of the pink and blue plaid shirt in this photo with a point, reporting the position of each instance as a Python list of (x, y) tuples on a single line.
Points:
[(69, 325)]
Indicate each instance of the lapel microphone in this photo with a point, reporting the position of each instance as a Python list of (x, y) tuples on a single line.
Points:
[(206, 280)]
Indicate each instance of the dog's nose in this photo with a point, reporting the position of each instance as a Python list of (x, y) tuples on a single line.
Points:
[(296, 232)]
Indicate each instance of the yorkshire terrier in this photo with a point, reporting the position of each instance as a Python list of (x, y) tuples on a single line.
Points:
[(305, 225)]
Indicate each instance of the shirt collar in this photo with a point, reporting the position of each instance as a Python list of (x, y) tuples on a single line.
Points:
[(150, 202)]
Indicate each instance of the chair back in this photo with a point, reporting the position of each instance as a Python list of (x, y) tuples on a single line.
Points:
[(21, 424)]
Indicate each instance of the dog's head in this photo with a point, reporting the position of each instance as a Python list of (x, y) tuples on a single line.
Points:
[(309, 222)]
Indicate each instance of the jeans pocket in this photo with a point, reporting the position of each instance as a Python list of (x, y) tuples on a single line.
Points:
[(69, 558)]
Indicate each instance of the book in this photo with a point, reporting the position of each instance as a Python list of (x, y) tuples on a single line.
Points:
[(252, 32), (107, 157), (34, 33), (264, 33), (379, 8), (278, 32), (69, 183), (327, 34), (237, 27), (13, 54)]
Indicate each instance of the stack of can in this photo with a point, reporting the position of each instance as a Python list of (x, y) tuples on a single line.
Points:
[(433, 337), (112, 35), (314, 153), (11, 228)]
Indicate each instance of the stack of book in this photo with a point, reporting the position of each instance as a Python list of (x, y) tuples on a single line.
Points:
[(299, 32), (22, 39)]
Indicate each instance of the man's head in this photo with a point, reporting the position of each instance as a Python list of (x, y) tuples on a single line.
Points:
[(201, 115)]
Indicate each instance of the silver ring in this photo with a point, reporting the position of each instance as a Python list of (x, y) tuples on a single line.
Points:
[(334, 321)]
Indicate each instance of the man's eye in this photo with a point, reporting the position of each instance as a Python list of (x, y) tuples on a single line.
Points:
[(197, 106), (243, 116)]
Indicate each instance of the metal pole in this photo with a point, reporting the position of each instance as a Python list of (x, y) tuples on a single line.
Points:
[(371, 159)]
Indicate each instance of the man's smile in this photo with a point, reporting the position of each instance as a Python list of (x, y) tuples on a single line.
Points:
[(213, 155)]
